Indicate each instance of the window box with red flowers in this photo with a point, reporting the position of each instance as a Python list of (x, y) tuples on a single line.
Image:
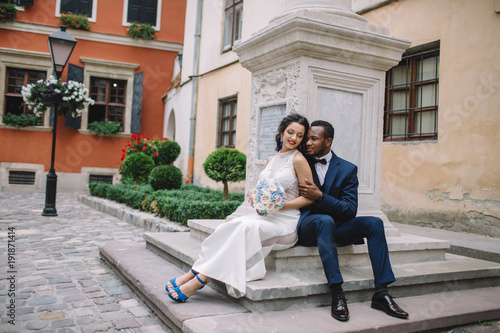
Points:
[(8, 13), (75, 21), (141, 30)]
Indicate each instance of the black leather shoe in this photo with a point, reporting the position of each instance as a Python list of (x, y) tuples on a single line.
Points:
[(387, 304), (339, 308)]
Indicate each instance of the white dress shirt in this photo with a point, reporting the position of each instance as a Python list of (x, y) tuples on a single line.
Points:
[(321, 169)]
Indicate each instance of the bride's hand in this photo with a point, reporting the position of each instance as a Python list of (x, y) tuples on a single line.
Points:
[(250, 200)]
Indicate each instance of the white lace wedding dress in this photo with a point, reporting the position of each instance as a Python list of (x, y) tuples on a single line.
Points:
[(235, 252)]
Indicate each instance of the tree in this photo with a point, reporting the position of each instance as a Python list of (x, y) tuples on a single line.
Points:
[(226, 165)]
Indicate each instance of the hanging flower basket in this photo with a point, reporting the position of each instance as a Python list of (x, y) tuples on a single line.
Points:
[(8, 13), (72, 97)]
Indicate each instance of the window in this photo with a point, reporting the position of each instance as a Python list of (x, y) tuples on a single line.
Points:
[(110, 102), (227, 123), (142, 11), (412, 94), (16, 78), (83, 7), (232, 23)]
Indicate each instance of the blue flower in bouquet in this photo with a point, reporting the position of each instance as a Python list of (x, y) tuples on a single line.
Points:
[(268, 196)]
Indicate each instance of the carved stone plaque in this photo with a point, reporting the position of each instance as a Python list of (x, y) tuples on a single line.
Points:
[(269, 120)]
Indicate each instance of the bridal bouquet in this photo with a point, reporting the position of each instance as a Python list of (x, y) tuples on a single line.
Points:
[(268, 196)]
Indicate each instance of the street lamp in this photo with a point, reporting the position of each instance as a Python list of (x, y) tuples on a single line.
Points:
[(61, 45)]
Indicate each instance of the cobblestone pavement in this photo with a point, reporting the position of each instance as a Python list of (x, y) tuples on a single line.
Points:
[(59, 281)]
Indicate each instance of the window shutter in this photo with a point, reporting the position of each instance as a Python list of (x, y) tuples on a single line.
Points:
[(85, 7), (69, 6), (75, 73), (135, 127), (134, 11), (150, 8)]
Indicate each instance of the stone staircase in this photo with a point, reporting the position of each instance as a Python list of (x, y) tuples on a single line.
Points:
[(438, 289), (295, 279)]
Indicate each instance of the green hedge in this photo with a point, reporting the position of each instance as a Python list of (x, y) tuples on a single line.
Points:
[(189, 202)]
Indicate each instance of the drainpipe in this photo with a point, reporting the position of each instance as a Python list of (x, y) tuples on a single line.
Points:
[(194, 93)]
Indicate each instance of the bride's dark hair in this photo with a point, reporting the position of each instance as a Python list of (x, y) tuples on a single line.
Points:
[(293, 118)]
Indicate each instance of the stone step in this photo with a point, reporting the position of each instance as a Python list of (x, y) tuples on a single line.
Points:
[(403, 249), (210, 311), (285, 290)]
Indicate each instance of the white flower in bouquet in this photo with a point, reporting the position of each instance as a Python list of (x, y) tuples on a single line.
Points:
[(268, 196)]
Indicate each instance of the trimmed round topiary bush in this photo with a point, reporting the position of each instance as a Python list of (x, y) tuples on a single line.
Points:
[(165, 177), (136, 168), (226, 165), (168, 151)]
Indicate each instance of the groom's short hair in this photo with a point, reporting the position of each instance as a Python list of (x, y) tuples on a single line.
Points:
[(329, 130)]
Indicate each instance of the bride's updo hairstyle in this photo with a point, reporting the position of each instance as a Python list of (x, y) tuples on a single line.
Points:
[(293, 118)]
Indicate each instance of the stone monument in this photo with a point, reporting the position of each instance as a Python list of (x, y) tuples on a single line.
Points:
[(320, 59)]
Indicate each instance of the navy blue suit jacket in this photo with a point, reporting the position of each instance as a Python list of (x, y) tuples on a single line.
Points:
[(341, 191)]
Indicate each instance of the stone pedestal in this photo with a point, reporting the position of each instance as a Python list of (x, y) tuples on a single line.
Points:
[(326, 62)]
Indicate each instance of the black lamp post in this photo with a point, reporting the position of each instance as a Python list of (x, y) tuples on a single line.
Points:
[(61, 45)]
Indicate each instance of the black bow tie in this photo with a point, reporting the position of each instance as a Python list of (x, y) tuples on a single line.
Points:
[(320, 160)]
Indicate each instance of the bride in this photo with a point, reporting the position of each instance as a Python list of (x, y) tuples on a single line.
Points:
[(234, 253)]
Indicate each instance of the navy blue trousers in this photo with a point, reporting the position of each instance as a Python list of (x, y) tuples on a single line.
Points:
[(320, 230)]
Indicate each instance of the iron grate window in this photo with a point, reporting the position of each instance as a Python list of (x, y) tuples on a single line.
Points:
[(21, 178), (101, 179)]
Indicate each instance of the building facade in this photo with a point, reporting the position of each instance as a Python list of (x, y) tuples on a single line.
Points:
[(126, 77), (441, 103)]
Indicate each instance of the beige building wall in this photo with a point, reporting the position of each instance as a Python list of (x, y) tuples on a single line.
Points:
[(229, 81), (453, 182)]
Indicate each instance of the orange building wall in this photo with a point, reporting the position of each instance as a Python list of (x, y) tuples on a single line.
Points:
[(110, 16), (74, 150)]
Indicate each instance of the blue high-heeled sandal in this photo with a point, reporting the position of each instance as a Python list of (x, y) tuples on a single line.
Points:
[(180, 296), (175, 285)]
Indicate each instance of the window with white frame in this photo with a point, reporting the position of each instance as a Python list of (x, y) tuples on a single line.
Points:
[(111, 86), (143, 11), (16, 78), (35, 66), (83, 7), (233, 19)]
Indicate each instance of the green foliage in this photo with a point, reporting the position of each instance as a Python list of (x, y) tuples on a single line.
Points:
[(104, 128), (226, 165), (21, 120), (136, 168), (8, 13), (190, 202), (168, 151), (165, 177), (141, 30), (75, 21)]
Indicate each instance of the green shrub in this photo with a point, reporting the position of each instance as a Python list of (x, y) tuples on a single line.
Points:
[(176, 205), (168, 151), (99, 189), (165, 177), (136, 168), (21, 120), (104, 128), (226, 165)]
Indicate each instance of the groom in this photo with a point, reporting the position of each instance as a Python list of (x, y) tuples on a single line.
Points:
[(331, 221)]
